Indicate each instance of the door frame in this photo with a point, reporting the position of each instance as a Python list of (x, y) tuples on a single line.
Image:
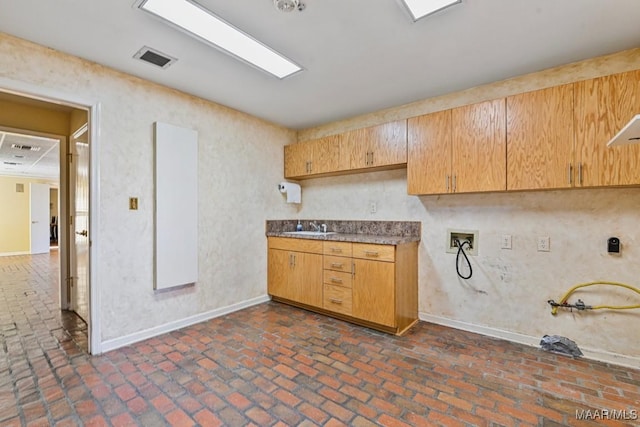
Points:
[(93, 108)]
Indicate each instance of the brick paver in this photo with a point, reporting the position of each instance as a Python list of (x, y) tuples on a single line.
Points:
[(276, 365)]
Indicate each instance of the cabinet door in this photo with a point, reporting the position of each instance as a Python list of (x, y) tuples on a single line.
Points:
[(306, 279), (377, 146), (296, 159), (279, 265), (429, 153), (327, 156), (314, 157), (540, 139), (388, 144), (479, 147), (296, 276), (603, 106), (374, 291)]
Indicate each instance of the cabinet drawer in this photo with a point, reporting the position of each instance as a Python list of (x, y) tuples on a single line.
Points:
[(338, 299), (374, 252), (337, 278), (337, 263), (338, 248), (297, 245)]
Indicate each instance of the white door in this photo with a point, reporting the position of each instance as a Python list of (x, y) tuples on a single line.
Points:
[(40, 221), (79, 229)]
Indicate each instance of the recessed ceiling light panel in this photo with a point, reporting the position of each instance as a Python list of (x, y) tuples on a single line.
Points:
[(26, 147), (421, 8), (213, 30)]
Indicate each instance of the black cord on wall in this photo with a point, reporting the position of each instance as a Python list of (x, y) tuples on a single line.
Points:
[(464, 254)]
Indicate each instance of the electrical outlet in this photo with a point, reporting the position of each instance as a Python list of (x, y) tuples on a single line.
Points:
[(373, 207), (506, 241), (544, 244)]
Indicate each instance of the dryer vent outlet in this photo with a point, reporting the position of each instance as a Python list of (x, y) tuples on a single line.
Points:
[(455, 235)]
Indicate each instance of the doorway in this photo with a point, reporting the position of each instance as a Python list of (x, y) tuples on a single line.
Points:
[(73, 274)]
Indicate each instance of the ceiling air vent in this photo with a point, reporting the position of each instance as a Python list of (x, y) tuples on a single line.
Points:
[(154, 57), (25, 147)]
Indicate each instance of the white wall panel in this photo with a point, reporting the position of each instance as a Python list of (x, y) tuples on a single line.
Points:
[(176, 206)]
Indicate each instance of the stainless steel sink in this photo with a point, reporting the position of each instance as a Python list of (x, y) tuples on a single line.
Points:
[(309, 233)]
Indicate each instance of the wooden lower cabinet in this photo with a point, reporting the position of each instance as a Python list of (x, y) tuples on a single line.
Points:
[(293, 274), (368, 284), (374, 291), (338, 299)]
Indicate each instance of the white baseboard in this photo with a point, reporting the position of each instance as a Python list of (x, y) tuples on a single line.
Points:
[(594, 354), (115, 343), (14, 253)]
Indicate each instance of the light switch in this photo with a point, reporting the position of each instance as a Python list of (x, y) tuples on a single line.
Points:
[(133, 203), (506, 241)]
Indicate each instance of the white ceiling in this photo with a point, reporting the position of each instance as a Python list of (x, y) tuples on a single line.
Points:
[(29, 156), (359, 55)]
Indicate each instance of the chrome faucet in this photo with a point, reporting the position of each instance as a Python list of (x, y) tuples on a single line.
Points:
[(318, 228)]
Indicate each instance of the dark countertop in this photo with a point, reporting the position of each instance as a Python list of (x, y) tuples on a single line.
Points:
[(376, 232), (355, 238)]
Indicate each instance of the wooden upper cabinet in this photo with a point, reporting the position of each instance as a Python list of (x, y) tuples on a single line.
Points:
[(429, 153), (383, 146), (540, 139), (327, 155), (296, 159), (459, 150), (603, 106), (314, 157), (479, 147), (378, 146)]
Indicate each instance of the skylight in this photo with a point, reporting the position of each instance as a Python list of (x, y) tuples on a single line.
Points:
[(211, 29), (421, 8)]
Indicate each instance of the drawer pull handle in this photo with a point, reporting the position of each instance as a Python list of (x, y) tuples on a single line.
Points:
[(335, 301), (337, 265), (336, 280), (336, 250), (371, 253)]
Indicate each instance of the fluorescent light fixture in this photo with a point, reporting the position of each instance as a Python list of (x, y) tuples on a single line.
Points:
[(421, 8), (207, 27), (630, 134)]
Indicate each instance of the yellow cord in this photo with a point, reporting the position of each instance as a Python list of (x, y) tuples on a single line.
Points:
[(564, 298)]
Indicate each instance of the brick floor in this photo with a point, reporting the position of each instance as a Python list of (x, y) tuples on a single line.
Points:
[(276, 365)]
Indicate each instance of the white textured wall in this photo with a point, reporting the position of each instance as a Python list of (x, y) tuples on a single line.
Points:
[(241, 162), (509, 288)]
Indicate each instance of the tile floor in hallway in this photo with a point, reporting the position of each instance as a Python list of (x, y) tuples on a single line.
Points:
[(276, 365)]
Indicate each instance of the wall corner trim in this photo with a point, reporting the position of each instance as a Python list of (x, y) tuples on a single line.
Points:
[(116, 343), (593, 354)]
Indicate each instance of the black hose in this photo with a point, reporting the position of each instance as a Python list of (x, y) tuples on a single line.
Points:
[(464, 254)]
